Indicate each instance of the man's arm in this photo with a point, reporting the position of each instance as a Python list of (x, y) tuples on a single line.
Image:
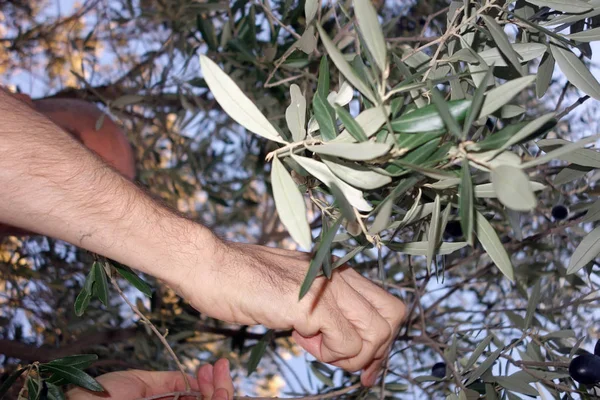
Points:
[(52, 185)]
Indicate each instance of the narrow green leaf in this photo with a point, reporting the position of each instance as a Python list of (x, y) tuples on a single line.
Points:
[(493, 246), (80, 361), (7, 384), (369, 26), (484, 367), (322, 173), (325, 116), (349, 256), (568, 6), (571, 18), (308, 41), (513, 188), (575, 70), (370, 120), (133, 279), (207, 31), (310, 10), (82, 302), (477, 103), (321, 376), (525, 51), (54, 392), (588, 249), (478, 351), (498, 139), (83, 299), (570, 174), (544, 75), (382, 220), (235, 103), (487, 191), (295, 114), (589, 35), (593, 213), (501, 95), (352, 151), (258, 351), (515, 384), (567, 151), (74, 376), (502, 42), (533, 303), (356, 175), (100, 283), (542, 123), (324, 79), (34, 387), (340, 62), (427, 119), (290, 204), (444, 112), (421, 248), (317, 261), (351, 125), (466, 202), (344, 206), (434, 231)]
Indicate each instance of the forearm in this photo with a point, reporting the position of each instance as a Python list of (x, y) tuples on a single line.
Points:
[(51, 184)]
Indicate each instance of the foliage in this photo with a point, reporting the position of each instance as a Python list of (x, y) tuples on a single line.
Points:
[(431, 163)]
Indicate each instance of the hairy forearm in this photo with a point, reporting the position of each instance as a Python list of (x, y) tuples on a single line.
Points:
[(52, 185)]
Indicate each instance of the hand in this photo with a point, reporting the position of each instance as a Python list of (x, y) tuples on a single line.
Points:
[(347, 321), (213, 383)]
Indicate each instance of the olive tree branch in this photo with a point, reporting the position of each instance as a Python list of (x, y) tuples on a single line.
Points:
[(154, 330)]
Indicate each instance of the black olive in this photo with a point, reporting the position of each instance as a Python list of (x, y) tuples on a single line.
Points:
[(453, 229), (597, 348), (560, 212), (585, 369), (438, 370)]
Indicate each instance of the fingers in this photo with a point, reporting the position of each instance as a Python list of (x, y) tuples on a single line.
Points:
[(345, 330), (222, 381), (325, 332), (215, 382), (389, 307), (373, 329), (205, 381)]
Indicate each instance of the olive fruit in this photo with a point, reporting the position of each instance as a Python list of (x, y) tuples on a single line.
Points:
[(597, 348), (453, 229), (560, 212), (585, 369), (438, 370)]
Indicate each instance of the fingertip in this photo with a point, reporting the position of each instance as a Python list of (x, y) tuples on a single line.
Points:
[(370, 374), (220, 394), (221, 368), (205, 374), (222, 377), (205, 380), (311, 344)]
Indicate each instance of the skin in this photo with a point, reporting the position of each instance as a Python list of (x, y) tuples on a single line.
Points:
[(67, 192), (214, 383)]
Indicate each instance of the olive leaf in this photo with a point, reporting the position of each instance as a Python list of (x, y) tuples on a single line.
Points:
[(235, 103), (290, 204)]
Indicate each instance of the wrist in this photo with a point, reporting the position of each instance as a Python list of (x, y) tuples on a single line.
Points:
[(176, 250)]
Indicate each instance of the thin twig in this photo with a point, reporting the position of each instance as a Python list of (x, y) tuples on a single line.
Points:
[(189, 393), (156, 332)]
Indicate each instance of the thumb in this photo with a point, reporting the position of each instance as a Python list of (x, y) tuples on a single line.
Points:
[(220, 394), (311, 344)]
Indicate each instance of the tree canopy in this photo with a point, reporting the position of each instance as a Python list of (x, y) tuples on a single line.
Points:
[(443, 149)]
